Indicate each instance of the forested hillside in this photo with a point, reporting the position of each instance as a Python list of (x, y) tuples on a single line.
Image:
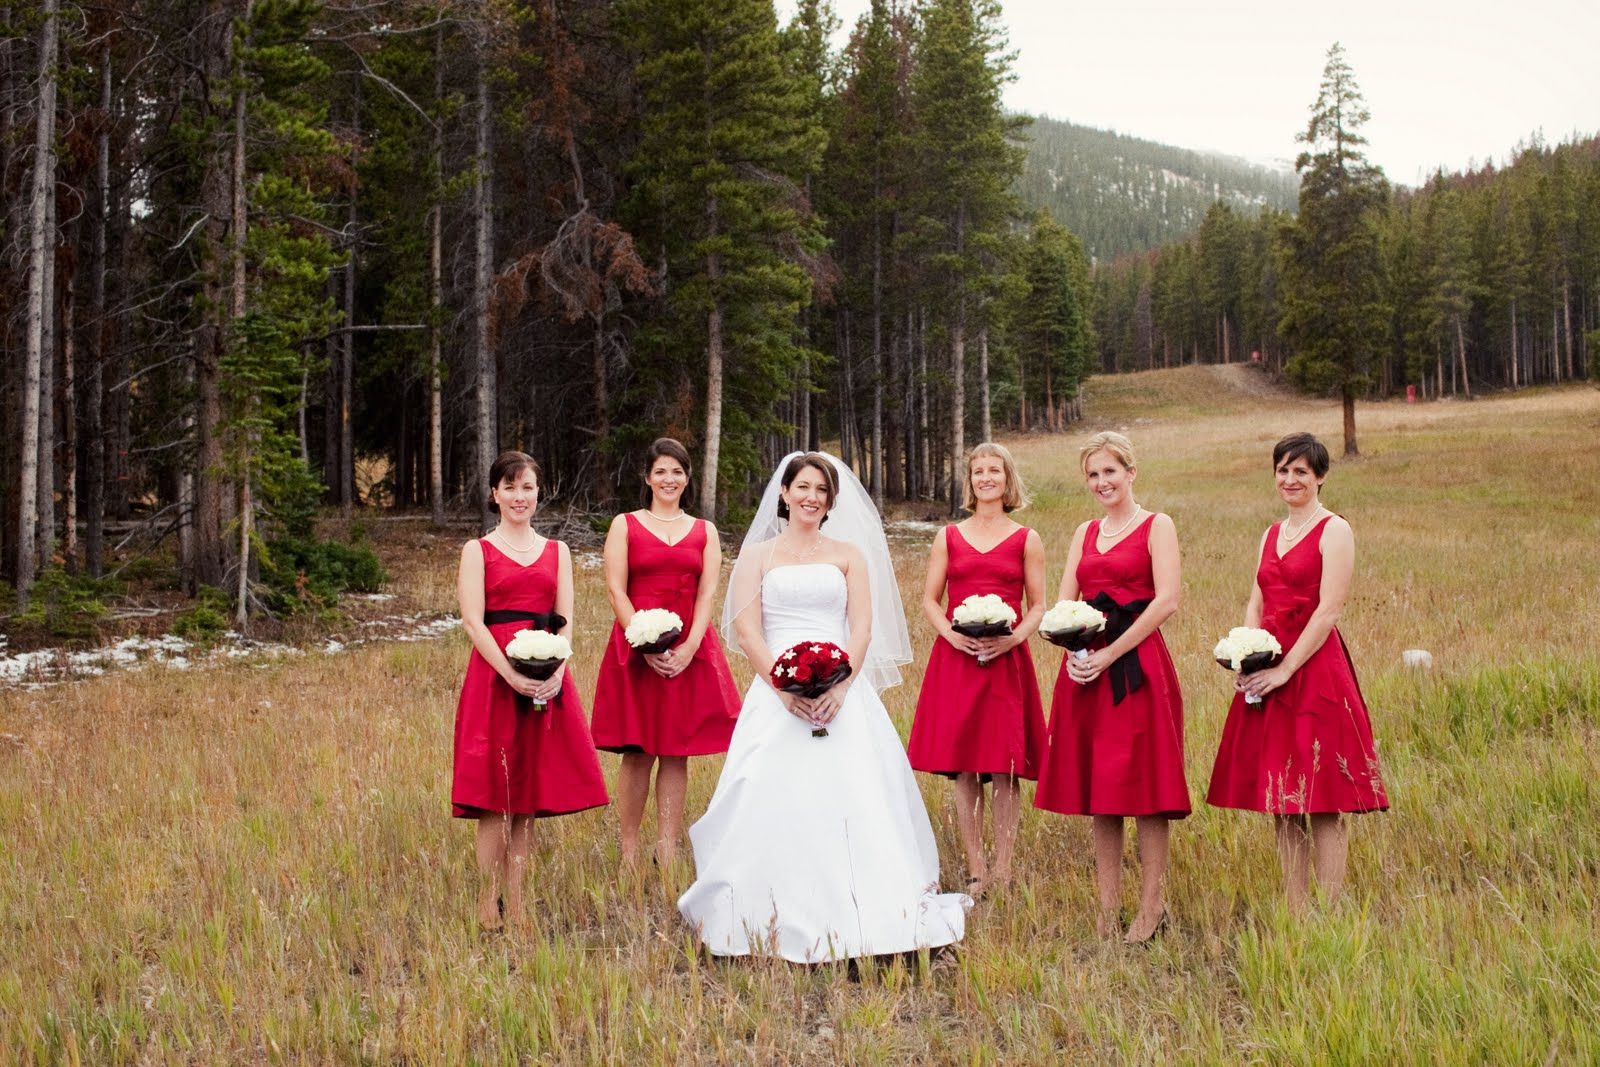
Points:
[(1123, 194)]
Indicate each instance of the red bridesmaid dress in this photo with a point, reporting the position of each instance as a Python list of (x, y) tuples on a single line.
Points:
[(509, 758), (1116, 744), (977, 718), (1307, 747), (637, 710)]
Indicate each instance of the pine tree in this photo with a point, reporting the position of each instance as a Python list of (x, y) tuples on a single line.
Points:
[(725, 148), (1334, 312)]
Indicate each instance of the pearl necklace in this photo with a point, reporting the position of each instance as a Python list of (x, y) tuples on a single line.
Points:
[(658, 518), (1120, 530), (514, 548), (1283, 527)]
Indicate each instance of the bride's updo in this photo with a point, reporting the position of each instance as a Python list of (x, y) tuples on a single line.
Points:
[(821, 463)]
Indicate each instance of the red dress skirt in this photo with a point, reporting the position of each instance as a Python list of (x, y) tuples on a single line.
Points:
[(1307, 747), (977, 718), (637, 710), (510, 758), (1116, 744)]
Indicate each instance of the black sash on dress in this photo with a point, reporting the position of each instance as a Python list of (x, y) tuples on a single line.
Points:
[(1126, 674), (542, 620)]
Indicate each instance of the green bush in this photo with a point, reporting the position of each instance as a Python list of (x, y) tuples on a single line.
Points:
[(207, 620), (66, 605), (302, 574)]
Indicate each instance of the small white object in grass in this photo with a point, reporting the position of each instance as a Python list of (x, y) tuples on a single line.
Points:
[(1419, 658)]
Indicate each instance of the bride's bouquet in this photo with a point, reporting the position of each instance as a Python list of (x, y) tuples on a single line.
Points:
[(983, 616), (653, 630), (538, 654), (1247, 649), (810, 669), (1073, 625)]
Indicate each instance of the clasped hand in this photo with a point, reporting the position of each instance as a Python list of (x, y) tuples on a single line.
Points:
[(1083, 671), (985, 648), (535, 690), (1260, 683), (671, 663), (819, 711)]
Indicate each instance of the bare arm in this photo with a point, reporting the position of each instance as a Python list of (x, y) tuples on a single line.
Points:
[(616, 561), (747, 602), (858, 612)]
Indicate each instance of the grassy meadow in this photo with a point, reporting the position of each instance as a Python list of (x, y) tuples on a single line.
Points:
[(256, 863)]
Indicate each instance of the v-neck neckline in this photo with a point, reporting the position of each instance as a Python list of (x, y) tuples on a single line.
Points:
[(506, 555), (670, 544), (992, 548)]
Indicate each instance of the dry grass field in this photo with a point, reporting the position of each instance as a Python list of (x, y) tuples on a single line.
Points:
[(256, 864)]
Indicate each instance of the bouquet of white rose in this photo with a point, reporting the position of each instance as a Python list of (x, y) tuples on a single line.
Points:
[(653, 630), (1073, 625), (1247, 649), (537, 654), (983, 616)]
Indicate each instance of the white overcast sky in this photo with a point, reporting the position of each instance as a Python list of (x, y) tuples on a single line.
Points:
[(1447, 83)]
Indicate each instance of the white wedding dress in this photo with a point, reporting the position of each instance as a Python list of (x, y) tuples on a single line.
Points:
[(816, 848)]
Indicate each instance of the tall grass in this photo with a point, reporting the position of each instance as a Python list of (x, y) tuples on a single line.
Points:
[(256, 864)]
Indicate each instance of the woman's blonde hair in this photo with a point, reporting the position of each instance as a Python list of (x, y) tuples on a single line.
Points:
[(1107, 441), (1016, 495)]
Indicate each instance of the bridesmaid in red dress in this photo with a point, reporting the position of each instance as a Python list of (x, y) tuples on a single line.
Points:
[(662, 708), (514, 764), (1116, 721), (979, 717), (1305, 753)]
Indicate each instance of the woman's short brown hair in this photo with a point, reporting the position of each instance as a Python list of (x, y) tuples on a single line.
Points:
[(1302, 446), (509, 465), (670, 447), (1016, 494), (830, 478)]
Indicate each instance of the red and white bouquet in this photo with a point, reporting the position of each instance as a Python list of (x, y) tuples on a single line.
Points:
[(810, 669), (1074, 625), (538, 654), (1247, 649), (985, 615), (653, 630)]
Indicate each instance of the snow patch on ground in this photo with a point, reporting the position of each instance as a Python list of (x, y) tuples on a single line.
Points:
[(54, 666)]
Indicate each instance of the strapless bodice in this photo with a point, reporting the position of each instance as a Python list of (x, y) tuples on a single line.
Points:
[(804, 602)]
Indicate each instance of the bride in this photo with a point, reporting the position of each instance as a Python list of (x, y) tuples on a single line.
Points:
[(817, 848)]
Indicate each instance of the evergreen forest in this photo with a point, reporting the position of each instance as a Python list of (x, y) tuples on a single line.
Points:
[(264, 258)]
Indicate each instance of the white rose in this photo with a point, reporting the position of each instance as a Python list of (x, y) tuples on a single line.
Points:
[(1072, 615), (647, 626), (988, 608), (1243, 641), (538, 644)]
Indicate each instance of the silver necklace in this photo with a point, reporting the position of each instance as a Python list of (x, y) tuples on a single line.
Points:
[(1283, 529), (1120, 530), (804, 555)]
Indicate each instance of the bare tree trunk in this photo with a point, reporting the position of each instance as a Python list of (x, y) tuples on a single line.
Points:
[(847, 414), (983, 383), (99, 333), (712, 445), (241, 225), (1348, 395), (923, 421), (45, 531), (436, 298), (1461, 350), (483, 210), (1566, 316), (347, 378), (69, 426), (878, 450), (40, 264)]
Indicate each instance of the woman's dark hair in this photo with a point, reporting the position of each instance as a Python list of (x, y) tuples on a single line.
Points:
[(667, 446), (1301, 446), (830, 478), (509, 465)]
